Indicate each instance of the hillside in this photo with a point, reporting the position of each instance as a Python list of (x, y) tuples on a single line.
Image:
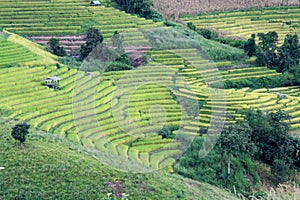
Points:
[(68, 20), (16, 50), (49, 167), (99, 122), (241, 24), (131, 125), (175, 9)]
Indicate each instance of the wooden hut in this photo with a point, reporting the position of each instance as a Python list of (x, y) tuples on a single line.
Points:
[(53, 82)]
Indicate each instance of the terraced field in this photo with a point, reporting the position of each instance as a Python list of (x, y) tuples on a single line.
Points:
[(244, 23), (121, 113), (42, 19), (199, 74), (52, 110), (15, 50)]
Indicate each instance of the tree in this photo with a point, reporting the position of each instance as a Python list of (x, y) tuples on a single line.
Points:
[(93, 38), (104, 58), (165, 132), (289, 53), (55, 48), (275, 146), (122, 57), (234, 139), (140, 7), (250, 46), (266, 49), (20, 131)]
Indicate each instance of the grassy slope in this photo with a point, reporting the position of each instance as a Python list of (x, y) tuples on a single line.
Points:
[(46, 58), (48, 167), (17, 50)]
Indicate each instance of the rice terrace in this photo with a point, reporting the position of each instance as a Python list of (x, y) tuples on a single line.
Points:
[(149, 99)]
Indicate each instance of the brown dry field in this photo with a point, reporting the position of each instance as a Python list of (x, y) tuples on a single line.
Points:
[(171, 9)]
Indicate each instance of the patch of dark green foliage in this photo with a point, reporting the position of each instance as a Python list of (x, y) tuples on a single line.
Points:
[(284, 58), (211, 35), (55, 48), (142, 8), (167, 131), (19, 132), (263, 137)]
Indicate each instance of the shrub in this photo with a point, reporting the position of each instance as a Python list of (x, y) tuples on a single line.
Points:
[(155, 16), (250, 47), (169, 23), (93, 37), (116, 66), (166, 131), (256, 83), (232, 42), (55, 48), (141, 8), (280, 169), (206, 33), (20, 131), (191, 26)]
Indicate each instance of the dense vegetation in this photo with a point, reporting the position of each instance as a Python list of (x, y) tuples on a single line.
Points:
[(55, 48), (143, 8), (212, 35), (284, 59), (262, 137)]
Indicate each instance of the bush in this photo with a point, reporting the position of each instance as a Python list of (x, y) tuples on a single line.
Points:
[(232, 42), (191, 26), (280, 169), (250, 46), (169, 23), (211, 35), (167, 130), (116, 66), (55, 48), (141, 8), (256, 83), (93, 37), (209, 169), (20, 131), (155, 16), (206, 33)]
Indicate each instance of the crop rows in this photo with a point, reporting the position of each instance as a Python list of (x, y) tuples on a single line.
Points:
[(12, 54), (59, 18), (243, 24)]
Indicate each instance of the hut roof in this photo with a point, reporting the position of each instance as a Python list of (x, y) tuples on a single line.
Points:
[(95, 3), (53, 78)]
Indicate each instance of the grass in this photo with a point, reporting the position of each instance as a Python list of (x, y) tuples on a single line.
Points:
[(45, 167)]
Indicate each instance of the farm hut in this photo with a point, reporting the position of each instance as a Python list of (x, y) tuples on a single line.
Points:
[(53, 82), (95, 3)]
